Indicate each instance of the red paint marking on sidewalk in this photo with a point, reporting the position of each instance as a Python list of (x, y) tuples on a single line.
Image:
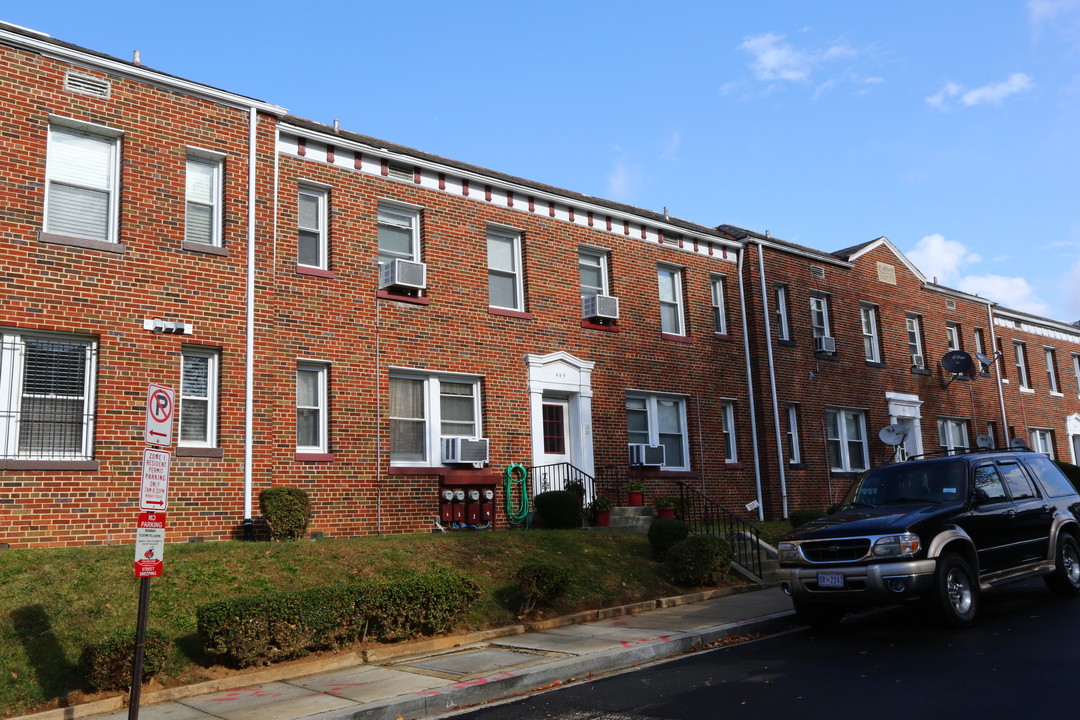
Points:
[(249, 692)]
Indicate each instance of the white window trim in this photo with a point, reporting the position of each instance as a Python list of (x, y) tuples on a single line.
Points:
[(216, 161), (516, 274), (727, 409), (819, 305), (322, 370), (212, 371), (676, 275), (12, 369), (652, 399), (322, 196), (913, 325), (408, 218), (717, 287), (1076, 372), (794, 449), (113, 206), (1021, 364), (1042, 440), (870, 334), (1050, 355), (846, 464), (952, 337), (953, 435), (783, 328), (602, 258), (433, 412)]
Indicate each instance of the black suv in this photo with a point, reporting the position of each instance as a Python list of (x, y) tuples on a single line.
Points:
[(939, 530)]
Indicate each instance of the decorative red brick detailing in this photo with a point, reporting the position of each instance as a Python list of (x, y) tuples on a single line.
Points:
[(330, 154), (442, 181), (301, 147)]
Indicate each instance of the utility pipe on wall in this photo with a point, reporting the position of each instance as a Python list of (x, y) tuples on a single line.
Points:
[(249, 354), (750, 389), (772, 382)]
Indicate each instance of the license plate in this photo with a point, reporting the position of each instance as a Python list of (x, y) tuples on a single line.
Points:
[(830, 580)]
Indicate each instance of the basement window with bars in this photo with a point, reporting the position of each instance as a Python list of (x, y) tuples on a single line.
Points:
[(46, 397)]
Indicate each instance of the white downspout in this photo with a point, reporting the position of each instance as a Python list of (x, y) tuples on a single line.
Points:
[(750, 388), (997, 375), (249, 355), (772, 383)]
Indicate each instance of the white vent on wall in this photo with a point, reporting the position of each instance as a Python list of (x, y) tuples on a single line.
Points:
[(604, 307), (950, 304), (464, 450), (86, 85), (825, 344), (817, 271), (400, 171), (403, 274), (641, 454)]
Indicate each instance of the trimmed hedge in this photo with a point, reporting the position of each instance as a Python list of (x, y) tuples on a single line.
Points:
[(665, 533), (109, 663), (700, 560), (1071, 471), (281, 626), (540, 582), (801, 517), (559, 509), (287, 511)]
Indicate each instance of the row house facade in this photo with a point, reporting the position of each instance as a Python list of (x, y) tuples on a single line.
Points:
[(387, 328)]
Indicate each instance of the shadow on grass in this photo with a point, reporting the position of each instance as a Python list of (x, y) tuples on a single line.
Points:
[(55, 674)]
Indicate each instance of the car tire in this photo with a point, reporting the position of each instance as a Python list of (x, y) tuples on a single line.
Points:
[(954, 600), (818, 615), (1065, 580)]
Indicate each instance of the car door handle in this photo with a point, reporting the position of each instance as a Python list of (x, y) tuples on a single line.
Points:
[(1011, 514)]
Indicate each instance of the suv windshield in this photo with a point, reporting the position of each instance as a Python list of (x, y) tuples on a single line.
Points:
[(934, 482)]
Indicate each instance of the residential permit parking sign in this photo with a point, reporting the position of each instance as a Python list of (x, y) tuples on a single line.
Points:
[(154, 490)]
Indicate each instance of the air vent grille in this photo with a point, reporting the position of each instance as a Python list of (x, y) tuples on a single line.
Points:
[(817, 271), (87, 85), (950, 304)]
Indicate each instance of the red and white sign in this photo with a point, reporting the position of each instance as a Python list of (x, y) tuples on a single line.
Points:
[(149, 545), (160, 410), (154, 492)]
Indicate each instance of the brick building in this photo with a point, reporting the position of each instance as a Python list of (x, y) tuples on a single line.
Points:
[(379, 325)]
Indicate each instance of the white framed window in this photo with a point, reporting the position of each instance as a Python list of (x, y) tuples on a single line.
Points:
[(1020, 353), (727, 416), (312, 227), (1051, 370), (952, 435), (1042, 440), (593, 272), (846, 435), (198, 406), (1076, 373), (506, 286), (672, 318), (952, 337), (202, 217), (913, 324), (794, 449), (783, 330), (46, 396), (819, 316), (656, 419), (426, 407), (312, 407), (718, 285), (399, 233), (82, 180), (871, 346)]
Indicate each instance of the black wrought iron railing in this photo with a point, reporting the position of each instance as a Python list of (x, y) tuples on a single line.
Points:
[(705, 515), (562, 476)]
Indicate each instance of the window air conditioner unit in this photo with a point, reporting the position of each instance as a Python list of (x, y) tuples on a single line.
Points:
[(825, 344), (403, 273), (641, 454), (464, 450), (604, 307), (917, 361)]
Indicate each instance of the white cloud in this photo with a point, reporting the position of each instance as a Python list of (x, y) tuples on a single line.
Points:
[(774, 59), (623, 178), (995, 93), (672, 146), (1012, 292), (1041, 11), (940, 258)]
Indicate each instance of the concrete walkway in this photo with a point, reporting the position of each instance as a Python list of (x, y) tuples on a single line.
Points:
[(447, 674)]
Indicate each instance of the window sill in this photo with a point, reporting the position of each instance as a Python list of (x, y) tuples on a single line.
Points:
[(85, 243), (676, 338), (449, 475), (661, 473), (205, 248), (511, 313), (920, 371), (831, 357), (412, 299), (1056, 394), (92, 465), (600, 326), (723, 336), (785, 343), (314, 271), (874, 364), (313, 457), (796, 466), (733, 465), (845, 473), (200, 452), (1027, 390)]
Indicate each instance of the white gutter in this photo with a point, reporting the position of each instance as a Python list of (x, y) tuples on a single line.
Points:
[(750, 390), (997, 375), (249, 353), (772, 383)]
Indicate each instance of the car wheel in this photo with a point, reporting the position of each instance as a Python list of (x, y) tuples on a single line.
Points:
[(1065, 580), (817, 615), (955, 598)]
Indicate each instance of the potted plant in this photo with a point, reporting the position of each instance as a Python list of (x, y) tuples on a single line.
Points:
[(665, 508), (634, 492), (601, 510)]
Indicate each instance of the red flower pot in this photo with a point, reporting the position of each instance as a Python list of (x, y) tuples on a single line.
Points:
[(665, 513), (634, 498), (602, 517)]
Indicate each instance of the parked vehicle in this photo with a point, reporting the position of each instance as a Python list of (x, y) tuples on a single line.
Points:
[(940, 531)]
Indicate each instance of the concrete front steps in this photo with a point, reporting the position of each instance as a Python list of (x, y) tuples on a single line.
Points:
[(628, 519)]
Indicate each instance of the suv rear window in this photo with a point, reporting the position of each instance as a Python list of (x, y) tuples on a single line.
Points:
[(1050, 477)]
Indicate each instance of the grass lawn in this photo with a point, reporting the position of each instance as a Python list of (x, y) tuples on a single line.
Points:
[(53, 602)]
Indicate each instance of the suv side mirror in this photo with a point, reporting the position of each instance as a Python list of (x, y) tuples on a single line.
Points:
[(832, 508)]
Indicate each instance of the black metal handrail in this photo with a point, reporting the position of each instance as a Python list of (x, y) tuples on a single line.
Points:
[(705, 515), (557, 476)]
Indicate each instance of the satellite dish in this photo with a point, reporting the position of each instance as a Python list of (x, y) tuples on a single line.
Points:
[(957, 362), (985, 442), (983, 360), (1018, 444), (892, 434)]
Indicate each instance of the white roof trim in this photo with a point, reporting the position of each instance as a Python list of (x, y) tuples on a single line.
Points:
[(884, 241)]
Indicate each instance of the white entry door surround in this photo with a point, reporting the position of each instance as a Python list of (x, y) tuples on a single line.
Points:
[(560, 380)]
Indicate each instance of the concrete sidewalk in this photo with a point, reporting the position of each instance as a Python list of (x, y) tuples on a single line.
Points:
[(447, 674)]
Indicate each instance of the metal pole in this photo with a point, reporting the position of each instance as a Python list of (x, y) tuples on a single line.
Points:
[(140, 644)]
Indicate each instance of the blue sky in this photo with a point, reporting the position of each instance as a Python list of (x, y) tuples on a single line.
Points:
[(952, 128)]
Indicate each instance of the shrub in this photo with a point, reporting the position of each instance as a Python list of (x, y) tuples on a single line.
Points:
[(1071, 471), (665, 533), (287, 511), (280, 626), (559, 509), (540, 582), (699, 560), (801, 517), (109, 663)]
